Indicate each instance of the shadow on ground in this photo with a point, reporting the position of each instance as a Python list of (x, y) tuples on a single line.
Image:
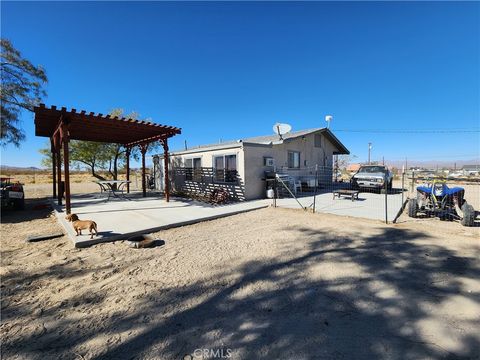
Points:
[(279, 310), (37, 208)]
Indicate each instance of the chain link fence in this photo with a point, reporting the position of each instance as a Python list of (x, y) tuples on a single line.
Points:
[(320, 189)]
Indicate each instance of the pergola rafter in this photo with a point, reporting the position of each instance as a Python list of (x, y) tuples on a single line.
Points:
[(61, 126)]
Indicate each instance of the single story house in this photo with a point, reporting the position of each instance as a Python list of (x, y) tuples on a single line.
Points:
[(241, 166)]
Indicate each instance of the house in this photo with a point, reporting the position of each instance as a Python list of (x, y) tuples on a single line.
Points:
[(242, 166), (471, 170), (353, 168)]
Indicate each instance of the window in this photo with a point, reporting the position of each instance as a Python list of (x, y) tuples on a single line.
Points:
[(294, 159), (194, 163), (193, 169), (318, 140), (268, 161), (225, 168)]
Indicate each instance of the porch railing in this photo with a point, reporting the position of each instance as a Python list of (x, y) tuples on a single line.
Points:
[(206, 179)]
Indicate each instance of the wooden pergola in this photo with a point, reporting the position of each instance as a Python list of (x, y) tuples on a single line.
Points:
[(61, 126)]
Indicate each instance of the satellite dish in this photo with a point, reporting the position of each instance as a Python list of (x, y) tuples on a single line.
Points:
[(281, 129)]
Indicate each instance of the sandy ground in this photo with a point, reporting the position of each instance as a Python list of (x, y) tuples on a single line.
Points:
[(34, 191), (273, 284)]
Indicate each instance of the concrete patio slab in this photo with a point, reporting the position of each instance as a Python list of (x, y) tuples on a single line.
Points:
[(368, 205), (121, 218)]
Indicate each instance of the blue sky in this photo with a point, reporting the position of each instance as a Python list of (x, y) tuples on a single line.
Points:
[(231, 70)]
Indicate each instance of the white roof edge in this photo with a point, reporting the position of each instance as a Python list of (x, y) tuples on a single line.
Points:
[(206, 149)]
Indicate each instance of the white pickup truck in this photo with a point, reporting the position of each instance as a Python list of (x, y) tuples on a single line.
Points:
[(372, 177)]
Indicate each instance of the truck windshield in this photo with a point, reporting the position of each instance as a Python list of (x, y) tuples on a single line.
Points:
[(372, 169)]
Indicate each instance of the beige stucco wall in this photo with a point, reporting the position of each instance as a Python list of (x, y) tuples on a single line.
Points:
[(238, 190), (250, 160), (254, 168), (207, 158)]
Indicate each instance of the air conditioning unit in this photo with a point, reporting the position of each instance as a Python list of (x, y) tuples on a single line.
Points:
[(269, 161)]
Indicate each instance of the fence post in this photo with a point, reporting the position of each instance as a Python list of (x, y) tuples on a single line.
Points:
[(315, 188), (386, 199), (275, 191), (413, 182)]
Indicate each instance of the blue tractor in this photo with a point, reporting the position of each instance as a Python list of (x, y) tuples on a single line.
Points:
[(437, 199)]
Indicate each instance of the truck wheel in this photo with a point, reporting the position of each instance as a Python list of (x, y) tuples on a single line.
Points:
[(468, 215), (412, 208)]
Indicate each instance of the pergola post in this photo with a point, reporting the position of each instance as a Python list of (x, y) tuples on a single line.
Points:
[(165, 169), (127, 154), (59, 170), (54, 168), (143, 149), (65, 140)]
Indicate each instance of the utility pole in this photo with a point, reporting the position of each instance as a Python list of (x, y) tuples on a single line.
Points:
[(369, 149), (383, 160)]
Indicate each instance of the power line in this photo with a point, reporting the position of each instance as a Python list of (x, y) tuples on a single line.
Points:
[(410, 131)]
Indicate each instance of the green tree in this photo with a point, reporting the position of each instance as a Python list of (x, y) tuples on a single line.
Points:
[(91, 154), (46, 161), (21, 88), (116, 153)]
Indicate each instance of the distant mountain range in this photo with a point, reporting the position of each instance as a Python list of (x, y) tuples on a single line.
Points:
[(19, 168), (432, 164)]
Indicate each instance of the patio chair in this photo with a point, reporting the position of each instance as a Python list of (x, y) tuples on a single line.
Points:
[(297, 185)]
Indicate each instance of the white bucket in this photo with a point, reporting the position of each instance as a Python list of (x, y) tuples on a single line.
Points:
[(270, 194)]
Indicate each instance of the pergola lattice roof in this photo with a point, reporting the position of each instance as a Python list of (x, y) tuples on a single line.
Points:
[(99, 127), (61, 126)]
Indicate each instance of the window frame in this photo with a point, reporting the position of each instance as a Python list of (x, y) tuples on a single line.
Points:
[(214, 163), (299, 159), (193, 175)]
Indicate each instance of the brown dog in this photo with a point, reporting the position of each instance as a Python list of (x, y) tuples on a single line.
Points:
[(79, 225)]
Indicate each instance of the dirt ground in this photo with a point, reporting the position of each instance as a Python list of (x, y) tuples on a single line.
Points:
[(273, 284)]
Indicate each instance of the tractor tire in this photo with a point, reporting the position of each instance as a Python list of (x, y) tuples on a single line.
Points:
[(468, 215), (412, 208)]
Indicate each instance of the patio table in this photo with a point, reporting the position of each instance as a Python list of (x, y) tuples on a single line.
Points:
[(108, 186), (353, 194)]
